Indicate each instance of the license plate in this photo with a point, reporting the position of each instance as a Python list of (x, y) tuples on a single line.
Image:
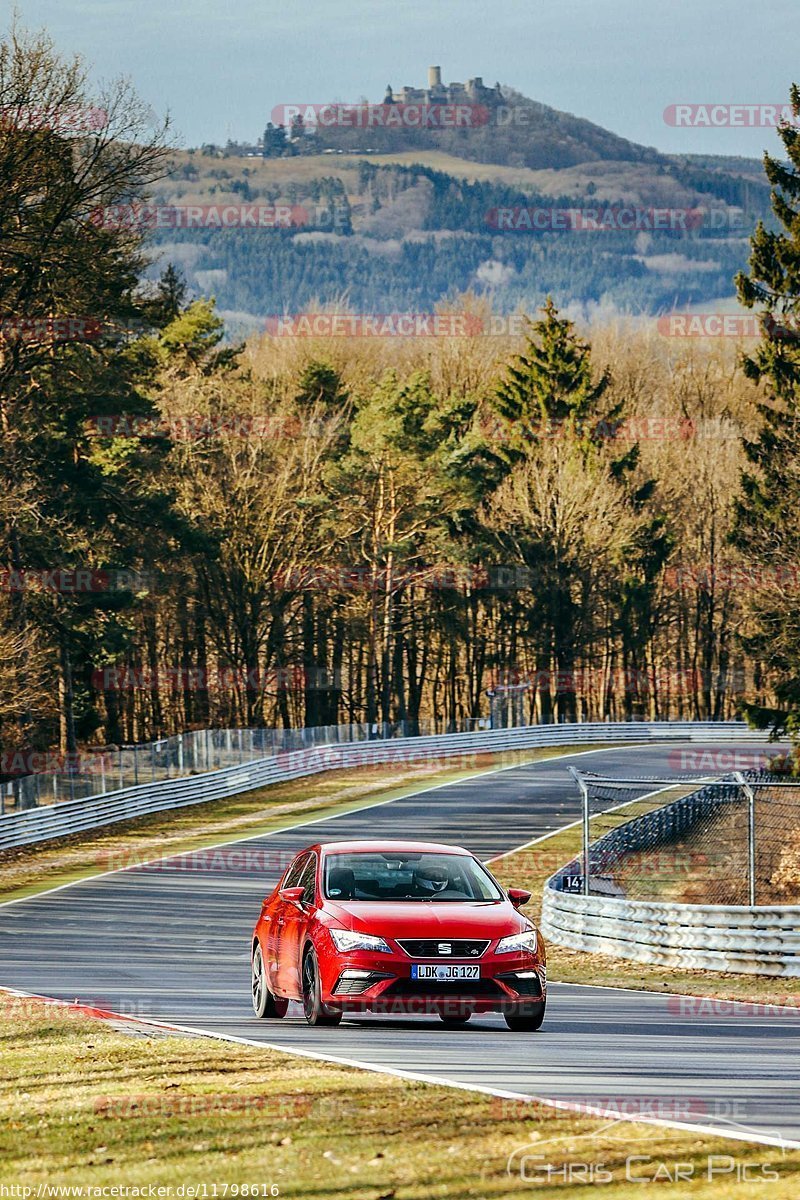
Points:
[(445, 971)]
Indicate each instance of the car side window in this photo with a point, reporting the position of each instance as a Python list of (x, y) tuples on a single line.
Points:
[(295, 871), (307, 880)]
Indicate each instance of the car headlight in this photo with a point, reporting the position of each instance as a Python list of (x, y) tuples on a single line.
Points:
[(527, 941), (348, 939)]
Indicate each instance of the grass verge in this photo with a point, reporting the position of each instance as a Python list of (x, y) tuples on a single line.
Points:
[(87, 1106)]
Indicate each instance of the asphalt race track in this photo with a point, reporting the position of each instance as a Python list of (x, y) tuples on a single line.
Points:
[(171, 942)]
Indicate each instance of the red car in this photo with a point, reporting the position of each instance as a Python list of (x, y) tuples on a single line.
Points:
[(398, 927)]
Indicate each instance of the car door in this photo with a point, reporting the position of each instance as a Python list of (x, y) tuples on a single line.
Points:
[(277, 917), (292, 930)]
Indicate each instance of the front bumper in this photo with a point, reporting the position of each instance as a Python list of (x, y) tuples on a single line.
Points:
[(362, 981)]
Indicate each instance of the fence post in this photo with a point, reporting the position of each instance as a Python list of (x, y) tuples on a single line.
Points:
[(751, 836), (581, 782)]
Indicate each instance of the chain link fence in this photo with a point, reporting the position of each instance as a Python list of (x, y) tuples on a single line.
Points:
[(733, 840), (95, 772)]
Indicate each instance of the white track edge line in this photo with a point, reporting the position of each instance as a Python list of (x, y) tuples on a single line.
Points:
[(435, 1080)]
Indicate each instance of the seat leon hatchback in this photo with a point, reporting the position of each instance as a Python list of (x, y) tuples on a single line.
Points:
[(396, 927)]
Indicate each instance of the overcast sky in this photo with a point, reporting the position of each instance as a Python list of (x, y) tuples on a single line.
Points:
[(220, 67)]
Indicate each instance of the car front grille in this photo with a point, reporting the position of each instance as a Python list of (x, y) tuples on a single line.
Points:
[(435, 947)]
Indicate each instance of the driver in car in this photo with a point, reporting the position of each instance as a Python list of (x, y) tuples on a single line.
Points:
[(432, 880)]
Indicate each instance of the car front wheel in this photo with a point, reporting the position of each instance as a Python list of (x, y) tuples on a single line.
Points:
[(265, 1004), (315, 1010), (525, 1016)]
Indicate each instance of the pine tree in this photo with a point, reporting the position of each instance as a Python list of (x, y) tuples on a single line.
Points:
[(551, 384), (767, 528), (552, 399)]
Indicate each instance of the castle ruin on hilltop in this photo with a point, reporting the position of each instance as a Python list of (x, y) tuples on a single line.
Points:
[(471, 92)]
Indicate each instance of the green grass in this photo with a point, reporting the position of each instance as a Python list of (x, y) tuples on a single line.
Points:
[(85, 1105)]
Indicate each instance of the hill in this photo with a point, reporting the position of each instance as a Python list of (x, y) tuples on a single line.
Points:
[(519, 132), (416, 224)]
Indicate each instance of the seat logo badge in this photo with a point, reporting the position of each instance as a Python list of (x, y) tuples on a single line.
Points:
[(445, 948)]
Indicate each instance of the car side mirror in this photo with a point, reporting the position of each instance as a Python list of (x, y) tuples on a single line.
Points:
[(519, 897), (293, 894)]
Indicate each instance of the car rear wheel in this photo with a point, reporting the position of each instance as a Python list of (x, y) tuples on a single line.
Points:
[(265, 1004), (315, 1010), (525, 1016)]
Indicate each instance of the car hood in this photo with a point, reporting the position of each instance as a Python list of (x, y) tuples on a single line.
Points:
[(420, 919)]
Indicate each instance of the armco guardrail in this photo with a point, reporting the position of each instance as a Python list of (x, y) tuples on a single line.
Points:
[(756, 940), (74, 816), (753, 941), (100, 769)]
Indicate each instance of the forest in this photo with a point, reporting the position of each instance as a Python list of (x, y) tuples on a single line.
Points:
[(409, 237), (311, 530)]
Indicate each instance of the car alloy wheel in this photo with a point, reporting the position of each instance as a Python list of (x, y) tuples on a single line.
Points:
[(315, 1010), (264, 1003)]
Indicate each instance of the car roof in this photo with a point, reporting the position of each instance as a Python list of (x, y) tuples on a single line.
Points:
[(387, 846)]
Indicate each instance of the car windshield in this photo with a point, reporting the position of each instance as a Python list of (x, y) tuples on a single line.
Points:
[(403, 875)]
